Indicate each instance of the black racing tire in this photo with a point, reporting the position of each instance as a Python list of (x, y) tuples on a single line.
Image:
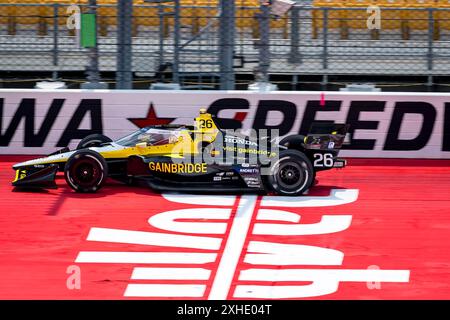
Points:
[(93, 140), (291, 175), (86, 171)]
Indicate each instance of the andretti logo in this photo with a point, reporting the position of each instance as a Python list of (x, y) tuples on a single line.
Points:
[(203, 248)]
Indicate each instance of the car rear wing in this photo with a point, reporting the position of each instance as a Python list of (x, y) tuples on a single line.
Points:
[(326, 136)]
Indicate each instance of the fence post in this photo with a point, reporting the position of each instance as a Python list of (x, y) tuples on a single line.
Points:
[(325, 39), (264, 42), (255, 26), (430, 48), (161, 18), (294, 56), (124, 76), (195, 22), (314, 22), (103, 25), (343, 24), (430, 38), (42, 23), (12, 22), (55, 34), (226, 44), (92, 70), (437, 28), (176, 51)]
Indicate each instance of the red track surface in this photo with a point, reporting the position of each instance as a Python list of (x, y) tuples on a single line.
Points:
[(400, 221)]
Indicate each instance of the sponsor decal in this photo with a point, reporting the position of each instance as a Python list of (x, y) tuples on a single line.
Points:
[(252, 182), (20, 174), (249, 170), (224, 247), (237, 140), (178, 167), (270, 154)]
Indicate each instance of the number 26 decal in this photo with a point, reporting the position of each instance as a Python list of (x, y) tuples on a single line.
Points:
[(206, 124), (323, 160)]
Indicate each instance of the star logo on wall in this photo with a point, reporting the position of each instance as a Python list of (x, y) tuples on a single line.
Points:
[(151, 119)]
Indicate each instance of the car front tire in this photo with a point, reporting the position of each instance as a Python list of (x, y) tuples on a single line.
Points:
[(86, 171)]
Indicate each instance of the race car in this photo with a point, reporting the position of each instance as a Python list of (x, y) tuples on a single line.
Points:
[(198, 158)]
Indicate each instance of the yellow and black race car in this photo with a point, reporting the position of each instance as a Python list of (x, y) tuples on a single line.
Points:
[(202, 158)]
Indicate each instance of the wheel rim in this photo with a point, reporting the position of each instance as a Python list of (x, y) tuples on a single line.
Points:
[(290, 175), (86, 173)]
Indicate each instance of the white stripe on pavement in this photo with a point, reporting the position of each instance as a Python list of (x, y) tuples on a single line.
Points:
[(145, 257), (170, 274), (233, 248)]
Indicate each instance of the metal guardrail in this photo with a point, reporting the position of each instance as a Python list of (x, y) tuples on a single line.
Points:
[(309, 41)]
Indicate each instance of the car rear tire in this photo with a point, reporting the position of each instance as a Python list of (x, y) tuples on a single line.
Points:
[(291, 175), (86, 171), (93, 140)]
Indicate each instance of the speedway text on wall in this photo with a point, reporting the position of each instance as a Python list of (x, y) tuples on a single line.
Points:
[(384, 125)]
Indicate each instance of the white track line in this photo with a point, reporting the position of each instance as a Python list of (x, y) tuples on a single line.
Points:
[(170, 274), (145, 257), (336, 198), (336, 275), (233, 248), (153, 239), (165, 290)]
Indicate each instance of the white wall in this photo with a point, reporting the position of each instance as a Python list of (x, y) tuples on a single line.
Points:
[(109, 111)]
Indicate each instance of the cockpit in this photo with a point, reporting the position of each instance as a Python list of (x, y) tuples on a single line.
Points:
[(152, 137)]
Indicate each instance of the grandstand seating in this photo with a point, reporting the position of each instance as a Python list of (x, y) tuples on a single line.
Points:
[(391, 19), (195, 14)]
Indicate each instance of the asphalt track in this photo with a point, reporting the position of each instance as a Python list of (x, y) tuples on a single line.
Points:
[(375, 230)]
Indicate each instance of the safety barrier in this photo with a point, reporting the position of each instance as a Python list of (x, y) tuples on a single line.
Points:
[(388, 125)]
